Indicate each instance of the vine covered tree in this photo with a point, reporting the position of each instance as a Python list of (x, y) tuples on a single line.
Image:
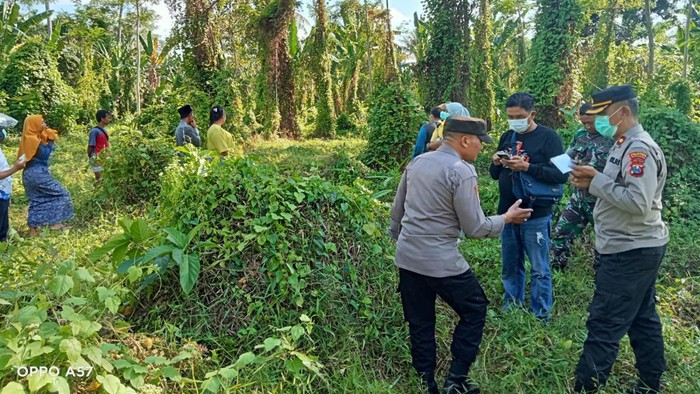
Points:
[(276, 95), (325, 117), (444, 72), (550, 68), (482, 95)]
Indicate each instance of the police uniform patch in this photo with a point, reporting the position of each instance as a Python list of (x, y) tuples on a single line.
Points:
[(621, 140), (637, 163)]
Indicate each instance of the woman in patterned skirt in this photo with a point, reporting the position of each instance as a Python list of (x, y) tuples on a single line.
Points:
[(49, 202)]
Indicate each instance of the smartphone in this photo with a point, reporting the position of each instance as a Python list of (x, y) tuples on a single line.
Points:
[(503, 156)]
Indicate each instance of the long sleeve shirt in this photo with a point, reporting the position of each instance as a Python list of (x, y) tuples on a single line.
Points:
[(627, 214), (424, 135), (438, 197), (187, 134), (538, 146)]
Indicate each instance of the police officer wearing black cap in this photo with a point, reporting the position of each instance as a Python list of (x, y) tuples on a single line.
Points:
[(438, 196), (631, 239)]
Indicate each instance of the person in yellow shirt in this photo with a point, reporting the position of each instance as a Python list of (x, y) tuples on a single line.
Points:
[(446, 110), (218, 139)]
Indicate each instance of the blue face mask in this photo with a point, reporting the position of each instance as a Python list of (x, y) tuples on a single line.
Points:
[(3, 135), (444, 115), (603, 126)]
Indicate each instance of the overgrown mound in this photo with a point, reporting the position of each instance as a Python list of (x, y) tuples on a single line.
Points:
[(34, 86), (279, 247)]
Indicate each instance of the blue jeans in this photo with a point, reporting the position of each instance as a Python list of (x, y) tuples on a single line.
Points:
[(531, 237)]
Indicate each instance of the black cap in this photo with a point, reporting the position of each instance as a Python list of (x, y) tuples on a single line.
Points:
[(613, 94), (585, 107), (185, 111), (465, 125)]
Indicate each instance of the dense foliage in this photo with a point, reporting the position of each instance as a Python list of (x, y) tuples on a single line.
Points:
[(393, 117), (34, 86)]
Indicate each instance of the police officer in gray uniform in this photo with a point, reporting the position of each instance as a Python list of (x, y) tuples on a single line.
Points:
[(438, 196), (631, 239)]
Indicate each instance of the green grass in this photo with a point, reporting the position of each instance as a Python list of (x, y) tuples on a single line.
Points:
[(518, 354)]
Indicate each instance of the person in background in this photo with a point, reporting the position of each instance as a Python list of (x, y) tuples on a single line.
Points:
[(631, 238), (587, 148), (49, 202), (426, 132), (531, 151), (6, 187), (446, 110), (187, 132), (98, 140), (438, 197), (218, 139)]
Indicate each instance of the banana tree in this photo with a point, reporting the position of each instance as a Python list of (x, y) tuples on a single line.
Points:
[(150, 47), (13, 28)]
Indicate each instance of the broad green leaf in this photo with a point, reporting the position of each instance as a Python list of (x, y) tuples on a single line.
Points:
[(112, 244), (194, 231), (171, 372), (176, 237), (13, 388), (112, 304), (157, 252), (189, 272), (84, 275), (37, 381), (182, 356), (244, 359), (156, 360), (297, 332), (103, 293), (94, 354), (271, 343), (61, 285), (120, 253), (72, 348), (140, 231), (59, 385), (135, 273), (5, 302), (30, 315), (212, 385), (110, 383), (66, 267)]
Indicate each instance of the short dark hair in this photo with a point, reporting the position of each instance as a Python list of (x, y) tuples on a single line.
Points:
[(633, 103), (522, 100), (435, 111), (101, 114), (584, 108), (216, 113)]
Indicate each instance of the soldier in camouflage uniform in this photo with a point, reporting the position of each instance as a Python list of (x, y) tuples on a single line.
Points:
[(589, 148)]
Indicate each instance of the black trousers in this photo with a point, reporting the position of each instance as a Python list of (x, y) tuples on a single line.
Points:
[(464, 295), (624, 303), (4, 219)]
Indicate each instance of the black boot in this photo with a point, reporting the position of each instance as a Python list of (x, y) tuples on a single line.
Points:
[(429, 383), (580, 388), (647, 386), (459, 384)]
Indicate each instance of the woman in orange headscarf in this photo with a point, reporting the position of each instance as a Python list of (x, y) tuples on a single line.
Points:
[(49, 202)]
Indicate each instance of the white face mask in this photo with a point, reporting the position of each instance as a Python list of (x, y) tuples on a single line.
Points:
[(519, 125)]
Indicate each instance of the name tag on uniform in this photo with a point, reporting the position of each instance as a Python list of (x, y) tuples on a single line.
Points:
[(615, 161)]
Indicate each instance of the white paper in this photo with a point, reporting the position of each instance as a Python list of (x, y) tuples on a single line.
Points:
[(563, 163)]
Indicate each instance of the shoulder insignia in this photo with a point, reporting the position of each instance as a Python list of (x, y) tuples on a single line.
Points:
[(637, 163), (621, 140)]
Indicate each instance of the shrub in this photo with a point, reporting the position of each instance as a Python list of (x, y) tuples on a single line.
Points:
[(394, 119), (677, 136), (282, 246), (34, 85), (345, 126), (133, 167)]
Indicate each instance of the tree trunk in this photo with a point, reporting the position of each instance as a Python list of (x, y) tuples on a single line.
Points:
[(119, 23), (49, 24), (138, 57), (482, 96), (650, 33), (277, 94), (369, 47), (201, 34), (390, 70), (688, 15), (522, 49)]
